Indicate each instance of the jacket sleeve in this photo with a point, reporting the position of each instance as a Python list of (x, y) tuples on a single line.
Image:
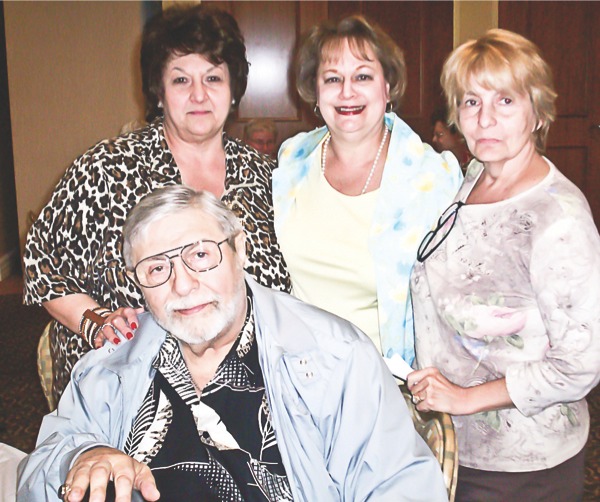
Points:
[(80, 422), (376, 453)]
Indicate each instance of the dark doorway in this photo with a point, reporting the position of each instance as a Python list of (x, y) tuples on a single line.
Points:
[(9, 234)]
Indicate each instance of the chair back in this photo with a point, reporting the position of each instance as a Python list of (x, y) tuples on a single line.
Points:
[(437, 430), (44, 365)]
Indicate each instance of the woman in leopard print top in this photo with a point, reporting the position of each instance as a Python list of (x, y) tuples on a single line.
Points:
[(194, 70)]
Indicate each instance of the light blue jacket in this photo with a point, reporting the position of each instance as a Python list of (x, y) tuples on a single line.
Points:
[(417, 185), (341, 423)]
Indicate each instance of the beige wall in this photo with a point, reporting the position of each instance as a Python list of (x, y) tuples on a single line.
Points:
[(473, 18), (73, 80)]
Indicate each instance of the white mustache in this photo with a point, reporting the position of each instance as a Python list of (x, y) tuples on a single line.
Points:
[(187, 303)]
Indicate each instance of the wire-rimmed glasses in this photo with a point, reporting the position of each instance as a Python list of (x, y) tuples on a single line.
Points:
[(445, 223), (199, 256)]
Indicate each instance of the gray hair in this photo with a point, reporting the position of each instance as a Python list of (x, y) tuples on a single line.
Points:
[(170, 200)]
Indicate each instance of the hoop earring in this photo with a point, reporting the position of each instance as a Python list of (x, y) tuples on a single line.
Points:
[(233, 102), (317, 111), (389, 107)]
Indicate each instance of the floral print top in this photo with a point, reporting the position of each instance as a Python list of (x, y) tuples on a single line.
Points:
[(514, 291), (417, 185)]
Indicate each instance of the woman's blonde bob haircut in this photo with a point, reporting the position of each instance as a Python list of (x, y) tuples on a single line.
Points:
[(325, 41), (504, 61)]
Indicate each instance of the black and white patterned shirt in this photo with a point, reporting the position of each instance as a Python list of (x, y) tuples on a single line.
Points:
[(220, 446)]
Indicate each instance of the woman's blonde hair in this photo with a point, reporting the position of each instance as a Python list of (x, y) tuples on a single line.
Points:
[(502, 60), (327, 38)]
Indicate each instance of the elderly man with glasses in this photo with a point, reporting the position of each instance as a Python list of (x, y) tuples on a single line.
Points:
[(229, 391)]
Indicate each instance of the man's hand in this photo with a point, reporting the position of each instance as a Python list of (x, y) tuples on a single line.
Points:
[(95, 467)]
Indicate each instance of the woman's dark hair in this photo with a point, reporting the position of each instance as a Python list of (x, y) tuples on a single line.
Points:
[(327, 38), (181, 30)]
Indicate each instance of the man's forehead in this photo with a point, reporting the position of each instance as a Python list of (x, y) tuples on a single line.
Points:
[(177, 229)]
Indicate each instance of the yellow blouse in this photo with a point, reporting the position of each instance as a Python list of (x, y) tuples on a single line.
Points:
[(333, 269)]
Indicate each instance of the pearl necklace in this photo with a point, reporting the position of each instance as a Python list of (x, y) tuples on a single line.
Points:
[(324, 158)]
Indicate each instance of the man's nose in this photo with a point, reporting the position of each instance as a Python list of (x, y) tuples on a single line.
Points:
[(185, 280)]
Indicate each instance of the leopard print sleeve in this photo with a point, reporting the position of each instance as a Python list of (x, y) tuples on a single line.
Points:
[(75, 244), (64, 240)]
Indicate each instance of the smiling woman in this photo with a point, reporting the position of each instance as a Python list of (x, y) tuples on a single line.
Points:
[(194, 72), (354, 198)]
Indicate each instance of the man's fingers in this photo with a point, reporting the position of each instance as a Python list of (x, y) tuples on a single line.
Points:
[(149, 490), (96, 467), (78, 482), (145, 483), (123, 488), (99, 476), (92, 475)]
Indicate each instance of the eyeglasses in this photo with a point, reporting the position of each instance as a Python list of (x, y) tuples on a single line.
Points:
[(200, 256), (446, 224)]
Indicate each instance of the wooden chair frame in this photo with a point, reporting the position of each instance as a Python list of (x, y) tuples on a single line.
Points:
[(44, 365), (437, 430)]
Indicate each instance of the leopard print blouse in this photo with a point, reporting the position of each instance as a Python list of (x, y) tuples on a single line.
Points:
[(75, 244)]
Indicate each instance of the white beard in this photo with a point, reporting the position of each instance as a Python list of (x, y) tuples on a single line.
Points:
[(202, 327)]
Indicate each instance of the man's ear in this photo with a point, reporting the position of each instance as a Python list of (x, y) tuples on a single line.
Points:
[(240, 247)]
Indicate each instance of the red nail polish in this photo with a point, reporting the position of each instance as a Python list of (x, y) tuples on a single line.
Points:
[(117, 341), (133, 325), (129, 336)]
